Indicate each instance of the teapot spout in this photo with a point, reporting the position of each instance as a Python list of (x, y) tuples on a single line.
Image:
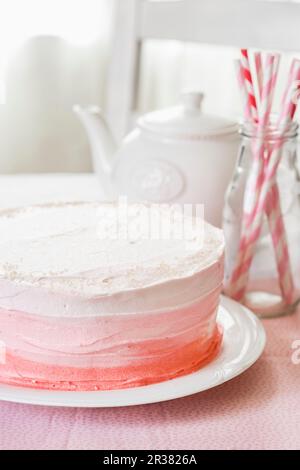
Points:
[(102, 144)]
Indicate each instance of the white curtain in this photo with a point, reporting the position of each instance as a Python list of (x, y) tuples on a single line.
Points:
[(54, 53)]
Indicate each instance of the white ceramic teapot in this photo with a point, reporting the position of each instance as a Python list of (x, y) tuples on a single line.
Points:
[(173, 155)]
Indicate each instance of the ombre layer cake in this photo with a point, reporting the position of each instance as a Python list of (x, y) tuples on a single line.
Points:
[(91, 300)]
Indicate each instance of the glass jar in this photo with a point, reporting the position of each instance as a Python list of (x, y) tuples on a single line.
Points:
[(263, 293)]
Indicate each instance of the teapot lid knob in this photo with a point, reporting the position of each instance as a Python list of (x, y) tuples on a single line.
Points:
[(187, 120), (192, 100)]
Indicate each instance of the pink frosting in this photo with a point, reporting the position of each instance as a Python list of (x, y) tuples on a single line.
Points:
[(107, 352)]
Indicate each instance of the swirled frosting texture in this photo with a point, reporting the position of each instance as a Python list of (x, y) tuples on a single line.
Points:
[(83, 311), (63, 259)]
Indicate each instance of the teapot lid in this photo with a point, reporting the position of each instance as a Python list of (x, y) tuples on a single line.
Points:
[(186, 120)]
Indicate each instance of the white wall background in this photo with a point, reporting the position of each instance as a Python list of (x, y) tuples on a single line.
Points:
[(54, 53)]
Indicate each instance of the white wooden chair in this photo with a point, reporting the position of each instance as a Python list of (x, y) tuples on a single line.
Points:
[(264, 24)]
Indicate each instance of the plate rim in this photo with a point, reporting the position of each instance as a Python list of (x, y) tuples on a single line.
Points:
[(124, 397)]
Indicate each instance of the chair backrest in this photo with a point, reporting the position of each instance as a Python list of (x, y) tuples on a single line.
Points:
[(263, 24)]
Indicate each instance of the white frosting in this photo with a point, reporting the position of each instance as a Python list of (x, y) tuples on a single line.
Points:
[(61, 259)]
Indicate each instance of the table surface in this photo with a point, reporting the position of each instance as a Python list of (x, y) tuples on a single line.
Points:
[(258, 410)]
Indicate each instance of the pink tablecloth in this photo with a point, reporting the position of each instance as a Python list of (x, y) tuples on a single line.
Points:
[(259, 409)]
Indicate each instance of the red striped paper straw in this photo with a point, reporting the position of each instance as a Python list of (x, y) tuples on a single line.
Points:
[(273, 206), (249, 83), (257, 170), (279, 239), (267, 94), (259, 71), (291, 93), (289, 83), (243, 91)]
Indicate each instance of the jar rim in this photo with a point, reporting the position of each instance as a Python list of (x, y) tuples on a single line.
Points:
[(271, 132)]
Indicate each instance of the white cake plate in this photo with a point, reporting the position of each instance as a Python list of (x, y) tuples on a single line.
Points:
[(243, 343)]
